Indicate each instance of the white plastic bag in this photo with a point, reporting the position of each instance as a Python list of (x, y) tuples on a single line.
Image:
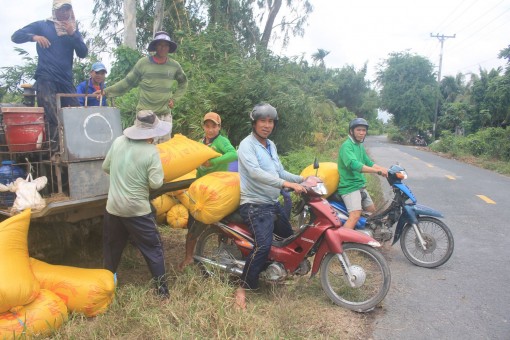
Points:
[(27, 193)]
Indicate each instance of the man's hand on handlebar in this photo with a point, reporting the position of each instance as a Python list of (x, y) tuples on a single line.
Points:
[(298, 188)]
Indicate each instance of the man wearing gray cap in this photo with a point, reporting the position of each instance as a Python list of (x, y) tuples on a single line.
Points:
[(155, 77), (57, 39), (134, 167), (95, 83)]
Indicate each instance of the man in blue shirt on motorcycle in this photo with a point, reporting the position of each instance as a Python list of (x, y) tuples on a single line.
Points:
[(353, 161), (262, 177)]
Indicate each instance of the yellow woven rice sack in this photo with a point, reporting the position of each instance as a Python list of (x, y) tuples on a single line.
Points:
[(42, 316), (328, 172), (162, 204), (183, 197), (213, 196), (189, 175), (177, 216), (18, 285), (87, 291), (180, 155)]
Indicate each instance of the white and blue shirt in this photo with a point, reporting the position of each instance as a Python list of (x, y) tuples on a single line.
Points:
[(262, 174)]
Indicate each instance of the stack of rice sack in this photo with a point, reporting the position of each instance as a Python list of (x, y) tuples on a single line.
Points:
[(213, 196), (168, 208), (180, 156), (327, 172), (35, 297)]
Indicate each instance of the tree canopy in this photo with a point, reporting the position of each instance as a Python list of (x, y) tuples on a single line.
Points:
[(408, 89)]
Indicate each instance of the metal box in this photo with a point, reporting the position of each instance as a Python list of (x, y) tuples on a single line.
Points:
[(87, 179), (88, 132)]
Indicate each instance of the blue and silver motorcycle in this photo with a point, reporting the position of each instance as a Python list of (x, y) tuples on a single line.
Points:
[(425, 240)]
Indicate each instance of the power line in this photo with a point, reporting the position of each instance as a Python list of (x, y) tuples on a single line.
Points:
[(448, 16), (481, 16), (458, 16), (479, 30)]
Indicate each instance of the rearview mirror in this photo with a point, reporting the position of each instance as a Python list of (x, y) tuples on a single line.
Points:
[(315, 163)]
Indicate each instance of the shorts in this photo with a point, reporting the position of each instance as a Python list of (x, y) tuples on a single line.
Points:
[(357, 200), (195, 228)]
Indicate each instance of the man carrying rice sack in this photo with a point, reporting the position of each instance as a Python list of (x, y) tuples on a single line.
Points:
[(134, 167)]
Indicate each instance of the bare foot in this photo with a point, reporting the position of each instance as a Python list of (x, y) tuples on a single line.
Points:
[(240, 299), (186, 262)]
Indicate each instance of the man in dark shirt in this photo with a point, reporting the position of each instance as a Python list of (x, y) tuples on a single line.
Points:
[(57, 39)]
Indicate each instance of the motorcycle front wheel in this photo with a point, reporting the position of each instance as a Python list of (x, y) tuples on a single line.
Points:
[(218, 252), (370, 277), (438, 239)]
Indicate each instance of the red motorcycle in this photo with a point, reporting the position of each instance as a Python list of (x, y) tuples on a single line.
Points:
[(353, 274)]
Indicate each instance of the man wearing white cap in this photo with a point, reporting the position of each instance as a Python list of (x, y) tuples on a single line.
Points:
[(155, 77), (134, 167), (57, 40), (93, 84)]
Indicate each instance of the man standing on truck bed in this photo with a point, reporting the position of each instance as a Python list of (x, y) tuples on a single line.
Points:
[(95, 82), (156, 77), (134, 167), (57, 39)]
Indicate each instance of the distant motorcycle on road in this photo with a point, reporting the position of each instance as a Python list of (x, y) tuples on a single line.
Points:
[(418, 140)]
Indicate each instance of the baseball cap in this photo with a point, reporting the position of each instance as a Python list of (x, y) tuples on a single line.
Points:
[(212, 116), (98, 66)]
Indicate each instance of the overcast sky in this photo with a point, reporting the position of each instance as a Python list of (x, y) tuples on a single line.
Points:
[(354, 32)]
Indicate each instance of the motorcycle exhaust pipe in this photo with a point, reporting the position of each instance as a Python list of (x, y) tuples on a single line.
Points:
[(229, 269)]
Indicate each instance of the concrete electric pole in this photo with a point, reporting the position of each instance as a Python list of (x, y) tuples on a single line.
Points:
[(441, 38)]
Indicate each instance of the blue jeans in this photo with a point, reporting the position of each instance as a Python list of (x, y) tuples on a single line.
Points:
[(263, 220)]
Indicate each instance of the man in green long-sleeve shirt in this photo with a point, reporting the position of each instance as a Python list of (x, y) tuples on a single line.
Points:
[(155, 77), (212, 138), (353, 161)]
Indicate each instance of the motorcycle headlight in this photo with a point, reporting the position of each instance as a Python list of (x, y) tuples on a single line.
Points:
[(320, 189), (401, 175)]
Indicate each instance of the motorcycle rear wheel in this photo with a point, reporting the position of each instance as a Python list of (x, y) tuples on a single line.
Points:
[(372, 277), (439, 240), (217, 247)]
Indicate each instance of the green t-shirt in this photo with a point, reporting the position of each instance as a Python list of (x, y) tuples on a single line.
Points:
[(351, 158), (228, 153), (134, 167)]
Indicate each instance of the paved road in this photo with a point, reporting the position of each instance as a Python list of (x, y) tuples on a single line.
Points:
[(469, 296)]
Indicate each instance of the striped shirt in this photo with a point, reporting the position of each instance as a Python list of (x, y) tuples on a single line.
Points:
[(156, 83)]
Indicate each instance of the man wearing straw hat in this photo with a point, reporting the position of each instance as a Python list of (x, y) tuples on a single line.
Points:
[(134, 167), (156, 77), (57, 39)]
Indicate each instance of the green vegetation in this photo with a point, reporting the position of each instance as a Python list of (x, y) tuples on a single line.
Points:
[(488, 148)]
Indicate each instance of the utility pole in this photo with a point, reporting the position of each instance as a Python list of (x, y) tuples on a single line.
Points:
[(441, 38)]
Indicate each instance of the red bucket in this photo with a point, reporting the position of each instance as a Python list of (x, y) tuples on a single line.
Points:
[(24, 128)]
